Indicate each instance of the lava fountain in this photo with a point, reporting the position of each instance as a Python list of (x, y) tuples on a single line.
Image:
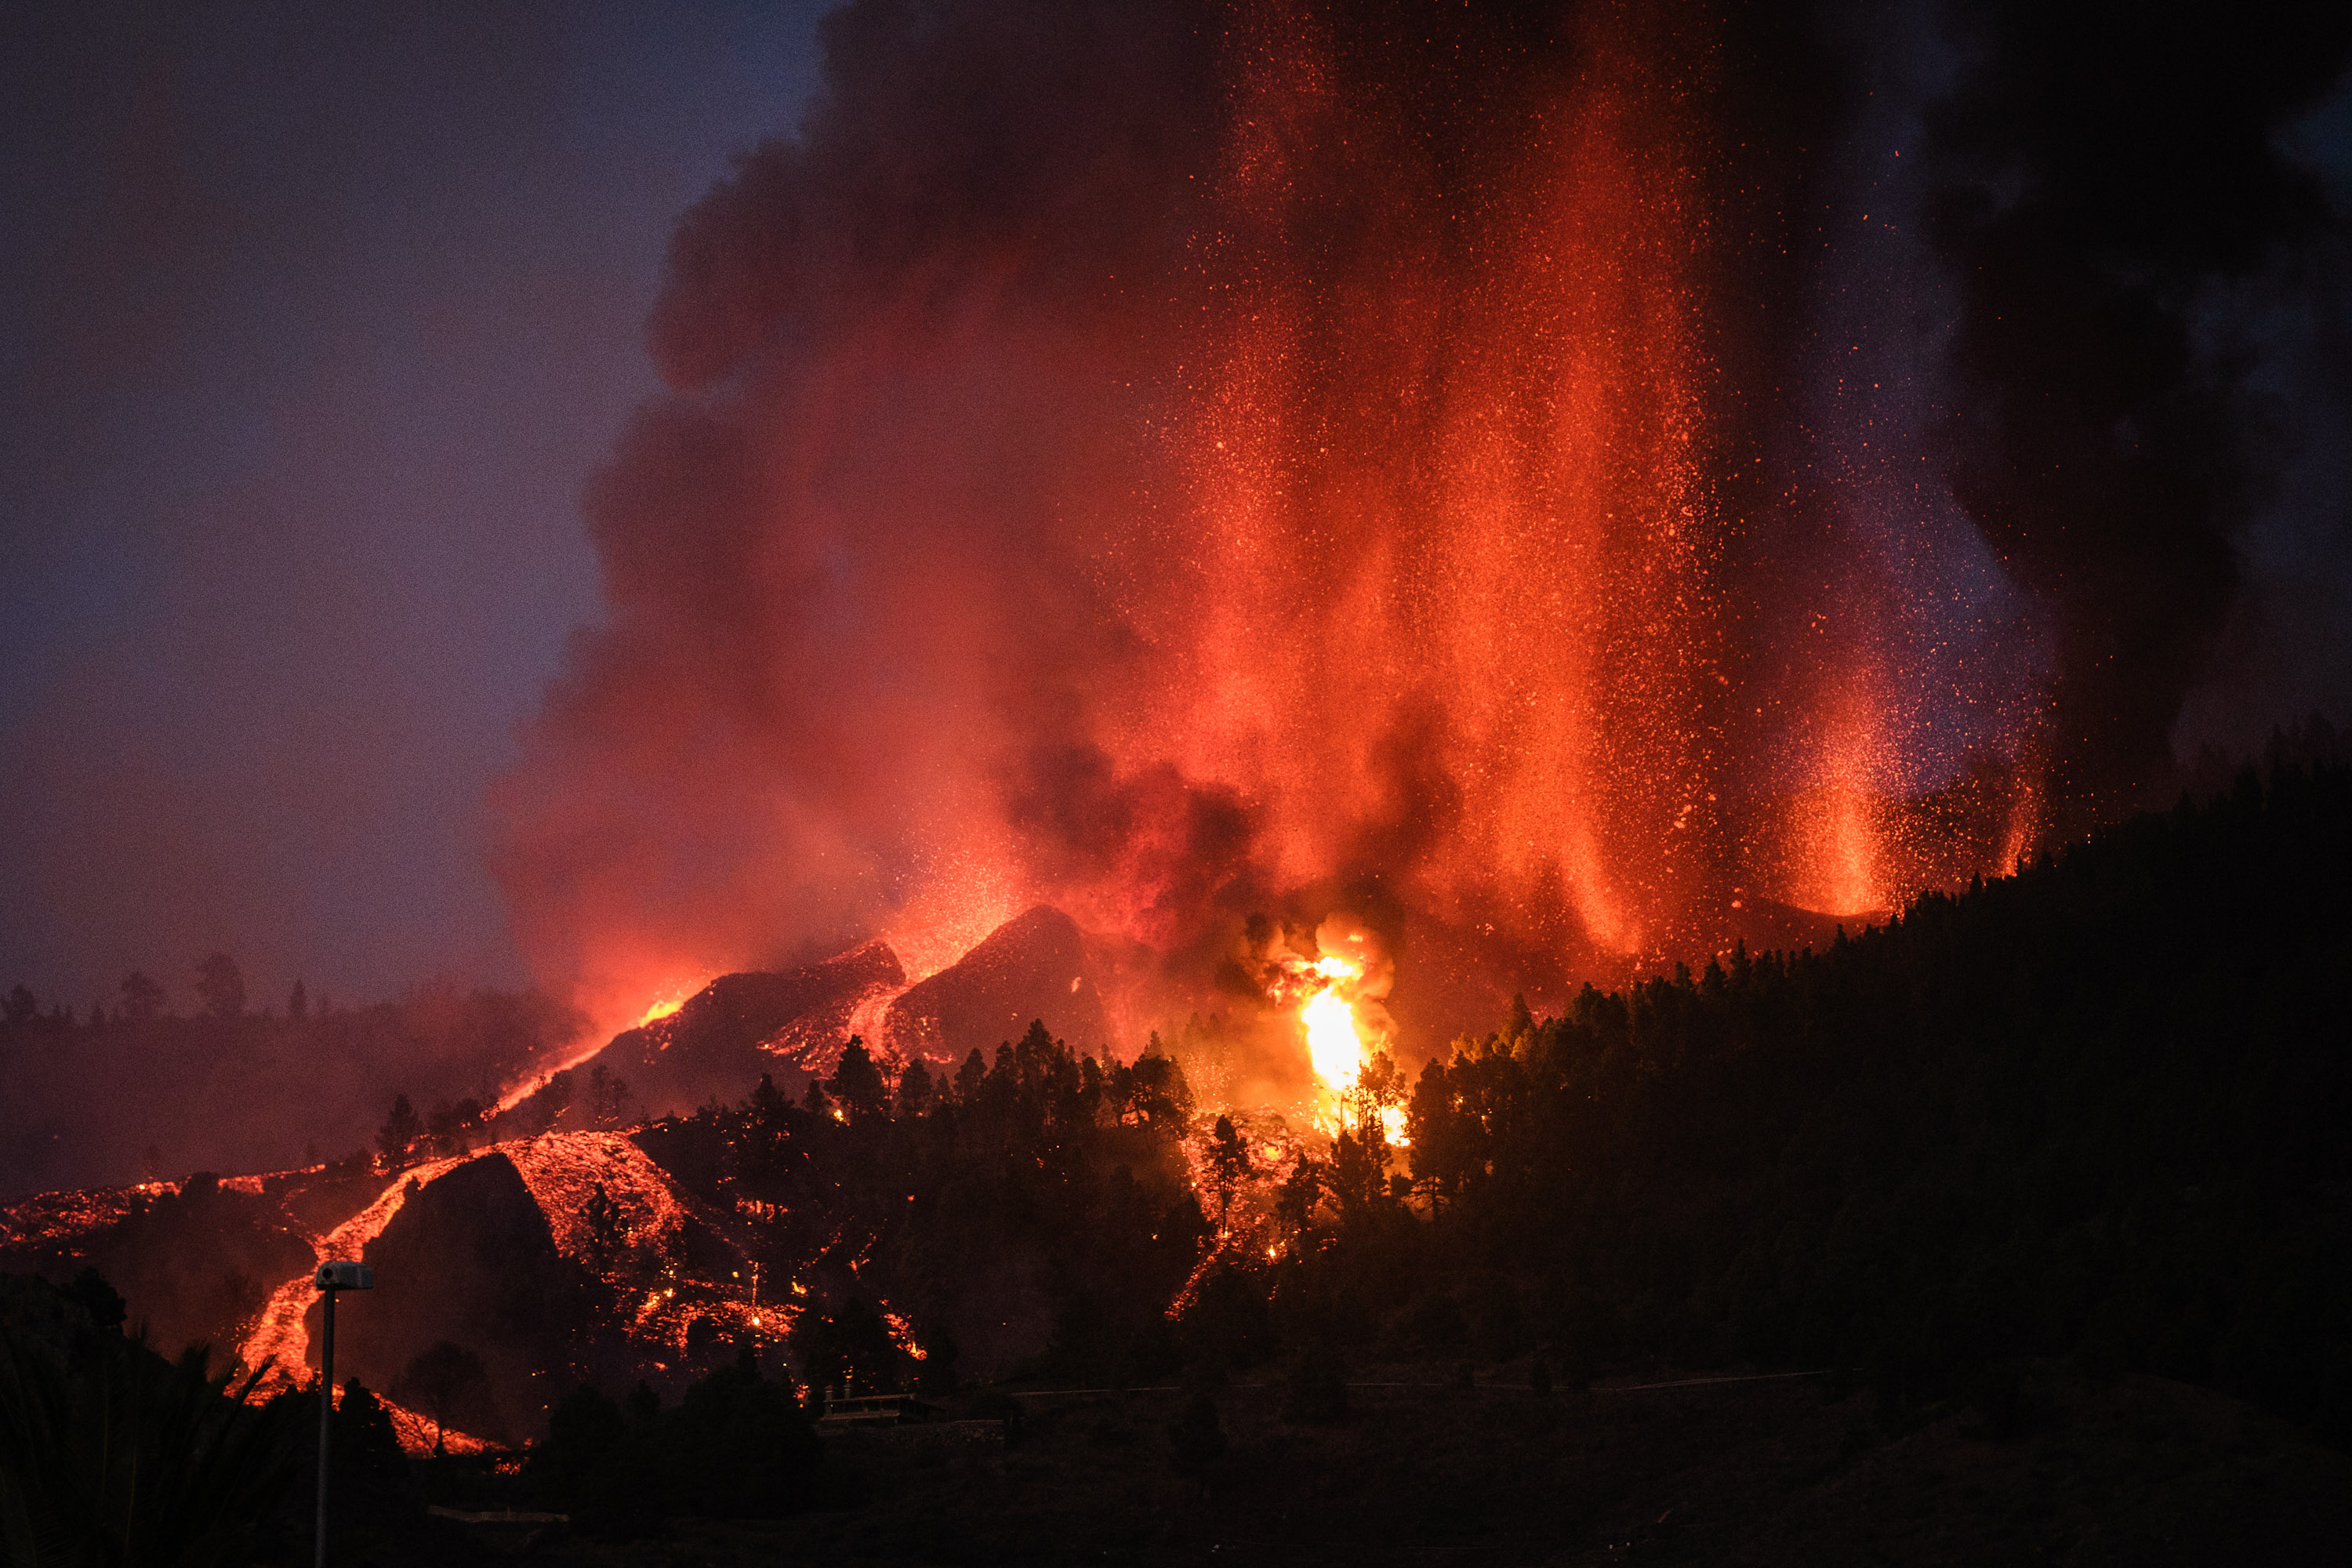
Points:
[(1229, 454)]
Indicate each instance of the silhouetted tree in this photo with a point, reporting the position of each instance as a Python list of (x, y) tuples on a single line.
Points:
[(442, 1381), (736, 1446), (114, 1455), (856, 1083), (143, 999), (851, 1345), (298, 1003), (220, 985), (581, 1430), (94, 1294), (969, 1076), (448, 1124), (398, 1135), (915, 1089), (603, 1216), (21, 1008), (1229, 1161), (608, 1098), (1294, 1204)]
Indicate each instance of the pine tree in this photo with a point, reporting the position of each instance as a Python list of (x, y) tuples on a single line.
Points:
[(220, 984), (1229, 1161), (856, 1083), (399, 1133), (143, 999)]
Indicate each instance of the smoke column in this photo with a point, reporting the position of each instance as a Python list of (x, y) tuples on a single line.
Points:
[(1177, 463), (2102, 175)]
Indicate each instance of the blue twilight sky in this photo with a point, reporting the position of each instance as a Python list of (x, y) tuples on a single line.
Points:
[(313, 320)]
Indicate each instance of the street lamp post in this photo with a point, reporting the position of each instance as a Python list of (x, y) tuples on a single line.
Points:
[(331, 1278)]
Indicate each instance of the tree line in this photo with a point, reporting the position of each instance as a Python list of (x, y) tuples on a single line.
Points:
[(2092, 1110)]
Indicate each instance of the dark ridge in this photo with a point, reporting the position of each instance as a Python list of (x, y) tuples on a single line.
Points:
[(469, 1259), (716, 1045), (1034, 966)]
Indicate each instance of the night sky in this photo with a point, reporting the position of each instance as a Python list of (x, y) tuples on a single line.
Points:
[(313, 321), (317, 319)]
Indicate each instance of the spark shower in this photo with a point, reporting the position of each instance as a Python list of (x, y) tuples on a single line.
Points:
[(1177, 466)]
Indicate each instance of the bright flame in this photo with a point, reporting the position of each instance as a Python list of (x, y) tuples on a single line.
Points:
[(662, 1008), (1331, 1043)]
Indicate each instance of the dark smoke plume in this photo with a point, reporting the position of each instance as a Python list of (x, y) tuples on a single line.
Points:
[(1184, 463), (851, 593), (2100, 169)]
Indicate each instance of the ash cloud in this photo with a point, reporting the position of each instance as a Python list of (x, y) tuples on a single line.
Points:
[(2099, 171), (851, 597), (1179, 463)]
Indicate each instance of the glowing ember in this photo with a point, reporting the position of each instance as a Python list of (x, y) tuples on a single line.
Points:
[(902, 1334), (563, 1169)]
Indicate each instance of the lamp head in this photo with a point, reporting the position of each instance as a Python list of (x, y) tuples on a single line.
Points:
[(345, 1276)]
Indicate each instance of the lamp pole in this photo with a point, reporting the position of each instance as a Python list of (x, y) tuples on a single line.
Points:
[(332, 1277)]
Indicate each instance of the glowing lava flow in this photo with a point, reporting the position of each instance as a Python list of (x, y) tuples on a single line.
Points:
[(281, 1342), (279, 1339), (673, 995)]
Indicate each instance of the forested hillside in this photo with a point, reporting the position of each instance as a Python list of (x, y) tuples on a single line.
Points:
[(2097, 1108)]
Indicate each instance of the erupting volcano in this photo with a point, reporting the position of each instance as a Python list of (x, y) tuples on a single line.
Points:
[(1384, 771), (1265, 468)]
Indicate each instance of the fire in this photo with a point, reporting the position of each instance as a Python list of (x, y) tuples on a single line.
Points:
[(672, 998), (1454, 573), (1325, 990), (1332, 1043), (1338, 994)]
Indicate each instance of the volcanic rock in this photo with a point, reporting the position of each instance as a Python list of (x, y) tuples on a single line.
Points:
[(1037, 965), (469, 1259), (733, 1031)]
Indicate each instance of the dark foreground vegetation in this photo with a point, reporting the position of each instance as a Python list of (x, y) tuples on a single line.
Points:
[(2042, 1193), (2096, 1110), (1403, 1463)]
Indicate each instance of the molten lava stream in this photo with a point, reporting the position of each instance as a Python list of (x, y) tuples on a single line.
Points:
[(278, 1339), (280, 1342)]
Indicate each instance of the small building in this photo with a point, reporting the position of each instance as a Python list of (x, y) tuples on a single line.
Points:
[(876, 1410)]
